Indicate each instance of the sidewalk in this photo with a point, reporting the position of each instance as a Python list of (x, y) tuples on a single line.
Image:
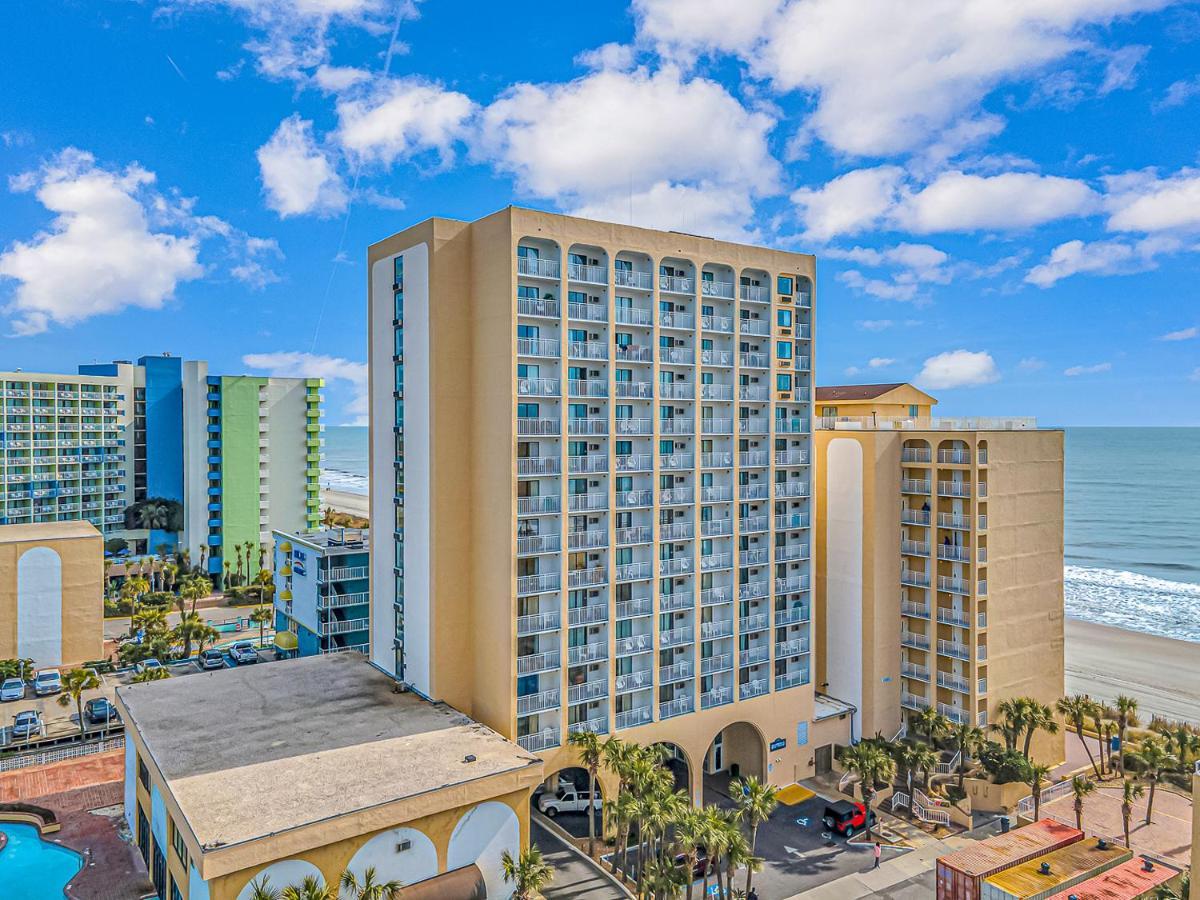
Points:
[(890, 875)]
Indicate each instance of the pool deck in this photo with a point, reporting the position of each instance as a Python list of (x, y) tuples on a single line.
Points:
[(87, 796)]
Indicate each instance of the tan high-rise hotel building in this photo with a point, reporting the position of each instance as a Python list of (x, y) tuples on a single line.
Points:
[(592, 445)]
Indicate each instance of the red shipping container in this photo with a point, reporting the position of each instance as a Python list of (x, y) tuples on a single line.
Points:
[(960, 874)]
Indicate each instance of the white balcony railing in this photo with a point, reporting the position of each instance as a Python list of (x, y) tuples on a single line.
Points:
[(537, 267)]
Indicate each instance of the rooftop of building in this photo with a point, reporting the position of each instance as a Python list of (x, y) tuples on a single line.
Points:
[(1045, 872), (827, 707), (1128, 881), (37, 532), (848, 392), (329, 539), (298, 742), (999, 850)]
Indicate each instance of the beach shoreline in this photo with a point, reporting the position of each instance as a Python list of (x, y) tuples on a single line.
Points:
[(1163, 674)]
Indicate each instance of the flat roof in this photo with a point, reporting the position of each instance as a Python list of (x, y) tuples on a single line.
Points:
[(257, 750), (826, 707), (47, 531), (1127, 881), (1066, 863), (990, 854), (348, 539)]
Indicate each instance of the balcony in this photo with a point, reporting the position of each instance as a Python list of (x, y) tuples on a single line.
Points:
[(914, 486), (638, 462), (793, 489), (634, 681), (588, 312), (528, 466), (583, 388), (598, 725), (587, 274), (680, 671), (716, 527), (723, 324), (913, 671), (716, 595), (954, 649), (954, 713), (592, 502), (753, 524), (753, 590), (537, 584), (675, 637), (791, 679), (634, 499), (632, 315), (791, 585), (914, 548), (537, 267), (677, 707), (914, 610), (631, 718), (954, 552), (591, 577), (679, 565), (587, 615), (755, 490), (543, 740), (954, 489), (914, 640), (676, 425), (342, 601), (678, 356), (711, 631), (755, 293), (791, 425), (794, 647), (710, 288), (638, 534), (754, 688), (716, 562), (676, 390), (679, 496), (537, 506), (913, 701), (538, 427), (683, 321), (789, 552), (676, 284), (587, 350), (634, 390), (643, 281), (587, 426), (914, 578), (716, 426), (632, 609), (754, 655), (547, 309), (716, 358), (535, 703), (676, 461), (791, 521), (587, 539), (586, 653), (716, 697), (754, 360), (952, 585), (638, 643), (540, 347), (635, 571), (754, 459), (797, 615), (754, 623), (755, 326), (953, 682), (341, 573)]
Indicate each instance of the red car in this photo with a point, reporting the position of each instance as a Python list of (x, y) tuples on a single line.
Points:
[(846, 818)]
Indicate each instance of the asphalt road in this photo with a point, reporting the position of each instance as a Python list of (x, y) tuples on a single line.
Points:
[(573, 878)]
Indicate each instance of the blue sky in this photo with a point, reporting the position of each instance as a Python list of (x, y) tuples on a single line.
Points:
[(1004, 199)]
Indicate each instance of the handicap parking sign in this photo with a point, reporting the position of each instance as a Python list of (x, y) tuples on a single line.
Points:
[(802, 821), (712, 890)]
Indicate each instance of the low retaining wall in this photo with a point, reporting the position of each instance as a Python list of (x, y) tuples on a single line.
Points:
[(994, 798), (27, 814)]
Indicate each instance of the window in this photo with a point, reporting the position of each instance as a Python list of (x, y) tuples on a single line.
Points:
[(785, 284), (623, 448), (528, 252), (530, 332), (623, 265), (783, 382), (525, 292), (177, 843), (828, 412), (783, 349), (577, 259), (576, 297), (527, 410), (143, 773), (914, 410), (784, 318), (577, 335)]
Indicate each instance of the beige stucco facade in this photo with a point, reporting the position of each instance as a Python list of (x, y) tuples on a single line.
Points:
[(939, 550), (51, 593), (543, 398)]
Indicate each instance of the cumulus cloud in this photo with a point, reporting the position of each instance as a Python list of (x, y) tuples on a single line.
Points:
[(1142, 201), (607, 56), (1113, 257), (715, 210), (884, 197), (398, 118), (880, 362), (298, 176), (108, 247), (1183, 334), (887, 76), (958, 368), (557, 141), (911, 266), (297, 364), (1178, 93), (1076, 371)]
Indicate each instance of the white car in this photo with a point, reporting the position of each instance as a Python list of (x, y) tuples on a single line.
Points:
[(243, 652), (12, 689), (567, 799), (47, 682), (146, 664)]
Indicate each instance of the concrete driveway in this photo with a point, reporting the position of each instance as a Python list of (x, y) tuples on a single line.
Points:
[(574, 879)]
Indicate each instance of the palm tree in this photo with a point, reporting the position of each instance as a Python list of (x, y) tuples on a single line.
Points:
[(931, 723), (134, 588), (691, 834), (158, 673), (170, 572), (1126, 717), (591, 753), (1075, 710), (74, 683), (715, 836), (1154, 758), (623, 809), (226, 565), (737, 853), (189, 629), (1130, 791), (204, 637), (1080, 788), (1108, 730), (967, 740), (261, 616), (925, 760), (905, 755), (1038, 716), (237, 549), (311, 888), (529, 873), (1185, 742), (1035, 777), (1011, 713), (260, 889), (756, 801), (368, 888), (871, 765), (203, 559), (195, 588)]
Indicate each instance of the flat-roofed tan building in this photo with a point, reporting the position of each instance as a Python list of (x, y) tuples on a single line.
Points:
[(939, 559), (51, 593), (591, 444), (315, 766)]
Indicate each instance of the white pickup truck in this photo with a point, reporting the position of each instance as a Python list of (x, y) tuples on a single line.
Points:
[(567, 799)]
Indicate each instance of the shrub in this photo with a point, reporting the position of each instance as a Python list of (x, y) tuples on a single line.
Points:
[(114, 608), (1003, 766), (159, 599)]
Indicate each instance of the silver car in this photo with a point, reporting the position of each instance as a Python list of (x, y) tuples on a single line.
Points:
[(46, 682), (12, 689)]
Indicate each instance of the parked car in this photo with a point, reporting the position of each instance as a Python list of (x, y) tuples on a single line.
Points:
[(243, 652), (698, 866), (27, 724), (212, 659), (147, 664), (846, 818), (12, 689), (100, 712), (567, 800), (47, 682)]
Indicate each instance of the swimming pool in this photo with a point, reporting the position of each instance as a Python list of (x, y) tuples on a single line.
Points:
[(33, 869)]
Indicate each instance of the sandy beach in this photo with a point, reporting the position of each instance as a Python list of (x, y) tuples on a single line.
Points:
[(1161, 673), (345, 502)]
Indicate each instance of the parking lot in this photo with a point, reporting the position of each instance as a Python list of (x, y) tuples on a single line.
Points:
[(63, 721)]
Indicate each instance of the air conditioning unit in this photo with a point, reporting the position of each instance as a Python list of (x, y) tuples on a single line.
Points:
[(593, 520), (594, 373), (593, 262), (403, 845), (593, 337), (593, 593), (593, 484), (593, 299), (593, 446)]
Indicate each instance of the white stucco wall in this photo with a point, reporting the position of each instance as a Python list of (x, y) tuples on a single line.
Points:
[(481, 837), (844, 572), (39, 606), (415, 864)]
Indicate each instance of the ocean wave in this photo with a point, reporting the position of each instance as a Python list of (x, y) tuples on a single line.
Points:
[(340, 480), (1129, 600)]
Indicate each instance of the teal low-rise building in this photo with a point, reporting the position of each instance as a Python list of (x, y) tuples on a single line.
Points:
[(322, 596)]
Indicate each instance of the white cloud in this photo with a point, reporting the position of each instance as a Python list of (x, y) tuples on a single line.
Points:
[(1076, 371), (913, 265), (592, 142), (254, 268), (297, 364), (398, 118), (1184, 334), (1113, 257), (1178, 93), (881, 288), (714, 210), (880, 362), (1031, 364), (875, 324), (1121, 71), (106, 249), (888, 76), (958, 368), (1141, 201), (885, 198), (335, 79), (298, 177), (607, 56)]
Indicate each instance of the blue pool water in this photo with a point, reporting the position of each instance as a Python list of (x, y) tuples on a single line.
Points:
[(32, 869)]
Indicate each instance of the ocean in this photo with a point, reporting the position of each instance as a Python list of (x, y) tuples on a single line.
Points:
[(1132, 522)]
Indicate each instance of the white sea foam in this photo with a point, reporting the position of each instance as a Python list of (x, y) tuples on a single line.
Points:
[(1129, 600), (350, 482)]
